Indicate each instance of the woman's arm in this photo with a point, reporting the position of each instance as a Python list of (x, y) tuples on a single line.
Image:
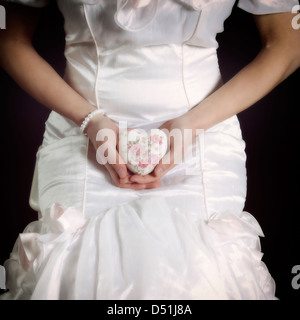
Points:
[(32, 73), (278, 58)]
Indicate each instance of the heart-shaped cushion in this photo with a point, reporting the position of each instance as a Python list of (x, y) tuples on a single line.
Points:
[(142, 150)]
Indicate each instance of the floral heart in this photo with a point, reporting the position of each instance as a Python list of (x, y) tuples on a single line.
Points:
[(142, 150)]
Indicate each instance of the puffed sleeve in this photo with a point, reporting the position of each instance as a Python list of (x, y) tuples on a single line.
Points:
[(31, 3), (267, 6)]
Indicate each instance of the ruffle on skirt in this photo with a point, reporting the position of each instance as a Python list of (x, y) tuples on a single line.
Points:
[(139, 250)]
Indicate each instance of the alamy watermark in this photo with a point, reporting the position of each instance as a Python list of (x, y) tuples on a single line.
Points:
[(2, 18), (296, 19), (2, 278), (296, 278), (142, 149)]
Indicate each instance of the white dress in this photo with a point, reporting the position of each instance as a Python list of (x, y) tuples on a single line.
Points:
[(188, 239)]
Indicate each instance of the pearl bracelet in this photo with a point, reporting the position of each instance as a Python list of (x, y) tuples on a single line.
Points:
[(88, 118)]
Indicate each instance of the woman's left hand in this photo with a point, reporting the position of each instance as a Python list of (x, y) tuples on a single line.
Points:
[(180, 132)]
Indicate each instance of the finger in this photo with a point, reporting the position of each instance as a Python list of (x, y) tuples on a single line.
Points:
[(132, 186), (121, 184), (120, 170), (164, 165), (127, 178), (153, 185), (143, 179), (115, 161), (149, 181)]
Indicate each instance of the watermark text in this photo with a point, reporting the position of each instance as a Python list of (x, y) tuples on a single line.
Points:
[(2, 18), (296, 278), (141, 148), (296, 19)]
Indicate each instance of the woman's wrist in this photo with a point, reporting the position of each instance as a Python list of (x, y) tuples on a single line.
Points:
[(195, 119), (82, 113), (202, 116), (89, 118)]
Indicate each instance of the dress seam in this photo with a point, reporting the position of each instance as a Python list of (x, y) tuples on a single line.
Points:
[(201, 138), (85, 178), (97, 105), (183, 76), (97, 52)]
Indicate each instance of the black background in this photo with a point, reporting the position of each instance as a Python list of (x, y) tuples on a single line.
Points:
[(270, 129)]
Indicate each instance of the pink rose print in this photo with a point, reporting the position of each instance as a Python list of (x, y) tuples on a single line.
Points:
[(143, 165), (143, 152), (136, 150), (154, 159), (154, 139)]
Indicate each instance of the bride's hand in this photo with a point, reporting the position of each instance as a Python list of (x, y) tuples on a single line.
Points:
[(177, 126), (108, 154)]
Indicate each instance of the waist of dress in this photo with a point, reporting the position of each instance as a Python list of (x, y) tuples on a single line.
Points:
[(143, 87), (147, 84)]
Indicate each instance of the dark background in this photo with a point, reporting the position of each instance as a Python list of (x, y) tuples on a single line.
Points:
[(270, 129)]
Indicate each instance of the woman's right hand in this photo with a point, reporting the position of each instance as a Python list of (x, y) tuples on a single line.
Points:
[(108, 155)]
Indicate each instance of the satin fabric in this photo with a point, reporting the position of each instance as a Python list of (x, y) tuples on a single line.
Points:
[(189, 239)]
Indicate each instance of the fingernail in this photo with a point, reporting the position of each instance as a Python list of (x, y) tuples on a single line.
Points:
[(134, 179)]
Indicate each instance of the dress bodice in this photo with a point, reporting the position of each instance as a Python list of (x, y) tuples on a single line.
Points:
[(171, 22), (154, 55), (145, 61)]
